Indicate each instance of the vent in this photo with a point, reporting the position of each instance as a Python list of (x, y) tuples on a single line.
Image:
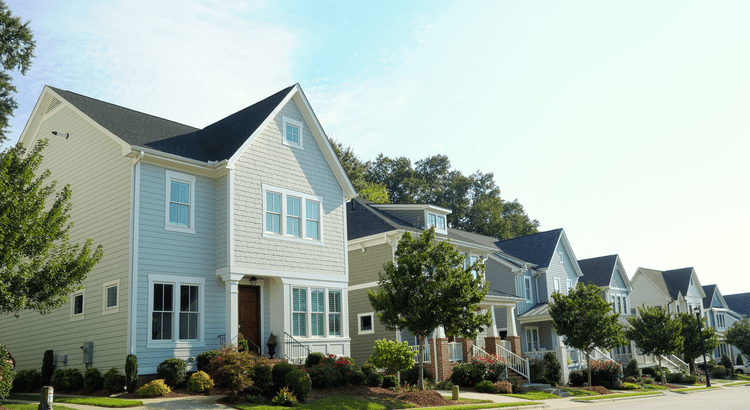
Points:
[(52, 104)]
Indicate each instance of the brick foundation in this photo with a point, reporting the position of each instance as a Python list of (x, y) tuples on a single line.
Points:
[(490, 345), (515, 344)]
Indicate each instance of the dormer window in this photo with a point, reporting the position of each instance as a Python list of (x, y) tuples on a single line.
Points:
[(436, 221)]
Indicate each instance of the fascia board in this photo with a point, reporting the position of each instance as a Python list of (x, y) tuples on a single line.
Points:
[(623, 274), (35, 120), (569, 249), (376, 239), (411, 207), (181, 163), (652, 283), (698, 283), (513, 268)]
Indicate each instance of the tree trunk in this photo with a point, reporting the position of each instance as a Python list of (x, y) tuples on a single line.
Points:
[(420, 385), (588, 365), (663, 373)]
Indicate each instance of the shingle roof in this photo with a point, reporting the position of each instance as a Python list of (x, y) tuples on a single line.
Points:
[(537, 248), (216, 142), (709, 291), (739, 302), (671, 282), (598, 271)]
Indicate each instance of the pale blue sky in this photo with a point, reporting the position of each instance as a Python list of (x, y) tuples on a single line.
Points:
[(623, 122)]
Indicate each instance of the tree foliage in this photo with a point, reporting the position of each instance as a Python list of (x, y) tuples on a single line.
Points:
[(356, 170), (392, 356), (691, 339), (38, 265), (738, 335), (427, 286), (586, 321), (16, 51), (655, 331)]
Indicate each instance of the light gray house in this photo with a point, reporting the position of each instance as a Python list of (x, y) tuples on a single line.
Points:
[(238, 227), (720, 316)]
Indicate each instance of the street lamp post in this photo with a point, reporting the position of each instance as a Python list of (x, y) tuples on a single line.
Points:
[(697, 311)]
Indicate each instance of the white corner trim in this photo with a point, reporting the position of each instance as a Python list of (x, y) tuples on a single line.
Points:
[(363, 286)]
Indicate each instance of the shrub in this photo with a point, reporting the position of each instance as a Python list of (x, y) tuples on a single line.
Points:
[(630, 386), (6, 372), (485, 386), (284, 397), (648, 380), (323, 375), (244, 346), (299, 383), (481, 368), (153, 389), (726, 362), (536, 368), (173, 371), (462, 375), (358, 378), (739, 360), (374, 380), (233, 370), (200, 382), (313, 359), (262, 381), (131, 372), (368, 369), (93, 380), (68, 380), (632, 369), (113, 381), (674, 377), (203, 361), (649, 371), (411, 376), (444, 385), (349, 359), (578, 377), (690, 379), (279, 371), (503, 387), (553, 370), (392, 356), (389, 381), (48, 367), (719, 372), (632, 379), (27, 381)]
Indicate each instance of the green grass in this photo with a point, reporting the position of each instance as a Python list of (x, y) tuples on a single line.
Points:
[(533, 395), (465, 400), (742, 377), (735, 384), (90, 401), (28, 406), (694, 389), (615, 396), (352, 403), (578, 392), (485, 406), (647, 387)]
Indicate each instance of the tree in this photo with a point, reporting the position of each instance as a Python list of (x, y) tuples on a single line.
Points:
[(655, 331), (355, 170), (427, 286), (691, 339), (16, 51), (38, 265), (392, 356), (586, 320), (738, 335)]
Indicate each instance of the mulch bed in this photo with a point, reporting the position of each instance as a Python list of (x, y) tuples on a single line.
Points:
[(596, 389)]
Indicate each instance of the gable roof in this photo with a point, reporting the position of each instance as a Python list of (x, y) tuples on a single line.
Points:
[(709, 291), (672, 282), (739, 303), (537, 248), (598, 271)]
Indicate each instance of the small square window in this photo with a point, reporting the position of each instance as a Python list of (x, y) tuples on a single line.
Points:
[(77, 305), (293, 132), (366, 323)]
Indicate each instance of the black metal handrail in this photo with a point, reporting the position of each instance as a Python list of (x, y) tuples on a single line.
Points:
[(222, 340), (260, 352), (294, 351)]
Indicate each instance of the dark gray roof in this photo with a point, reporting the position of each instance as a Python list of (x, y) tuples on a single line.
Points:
[(709, 291), (537, 248), (598, 271), (739, 303), (493, 292), (677, 280), (216, 142)]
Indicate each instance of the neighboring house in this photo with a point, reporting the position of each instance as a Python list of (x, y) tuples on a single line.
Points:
[(719, 315), (608, 273), (238, 227), (374, 232), (739, 303)]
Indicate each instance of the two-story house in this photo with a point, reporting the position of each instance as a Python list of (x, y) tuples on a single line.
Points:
[(374, 231), (739, 303), (720, 316), (236, 228)]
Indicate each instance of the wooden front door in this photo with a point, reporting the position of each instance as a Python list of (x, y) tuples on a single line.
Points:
[(249, 314)]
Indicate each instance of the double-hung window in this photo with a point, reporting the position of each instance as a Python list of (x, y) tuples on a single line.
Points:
[(532, 339), (527, 289), (568, 285), (323, 311), (436, 221), (292, 130), (334, 312), (292, 215), (557, 285), (469, 262), (299, 312), (720, 321), (318, 309), (180, 202), (175, 310)]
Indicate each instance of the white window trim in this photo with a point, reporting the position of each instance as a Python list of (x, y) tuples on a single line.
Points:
[(437, 215), (562, 260), (308, 312), (303, 216), (298, 124), (177, 281), (528, 295), (178, 176), (530, 330), (568, 285), (359, 323), (557, 285), (76, 317), (112, 309)]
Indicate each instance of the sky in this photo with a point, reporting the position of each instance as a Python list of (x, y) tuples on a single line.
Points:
[(624, 122)]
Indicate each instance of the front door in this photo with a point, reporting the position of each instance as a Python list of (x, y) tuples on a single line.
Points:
[(249, 314)]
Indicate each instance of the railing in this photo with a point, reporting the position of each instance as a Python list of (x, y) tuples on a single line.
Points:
[(260, 351), (455, 352), (477, 351), (222, 340), (600, 355), (676, 363), (425, 353), (294, 351), (517, 363), (536, 354), (623, 358), (506, 345)]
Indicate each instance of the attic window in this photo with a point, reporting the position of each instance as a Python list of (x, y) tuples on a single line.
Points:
[(437, 221), (292, 130), (52, 104)]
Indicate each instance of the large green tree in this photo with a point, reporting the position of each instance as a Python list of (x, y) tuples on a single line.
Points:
[(38, 265), (655, 331), (16, 51), (738, 335), (356, 170), (691, 338), (586, 321), (428, 285)]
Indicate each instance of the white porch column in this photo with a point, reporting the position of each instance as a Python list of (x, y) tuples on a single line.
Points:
[(492, 331), (232, 281), (511, 321), (440, 333)]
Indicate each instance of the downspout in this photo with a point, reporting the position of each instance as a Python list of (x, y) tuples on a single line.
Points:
[(434, 353), (132, 323)]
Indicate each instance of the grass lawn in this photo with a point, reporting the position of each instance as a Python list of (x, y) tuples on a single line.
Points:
[(742, 377), (694, 389), (735, 384), (28, 406), (614, 396), (352, 403), (533, 395), (90, 401), (647, 387), (578, 392)]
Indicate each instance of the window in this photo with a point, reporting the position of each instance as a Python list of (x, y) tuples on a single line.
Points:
[(532, 339), (527, 289), (568, 285), (76, 305), (111, 302), (557, 285), (720, 320), (316, 312), (678, 307), (366, 323), (180, 209), (625, 305), (286, 222), (334, 313), (619, 304), (176, 310), (469, 261), (436, 221), (299, 312), (561, 257), (441, 222), (292, 130), (318, 309)]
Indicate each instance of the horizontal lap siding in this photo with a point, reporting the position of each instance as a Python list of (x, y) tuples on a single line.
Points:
[(361, 345), (100, 180), (365, 267), (222, 235)]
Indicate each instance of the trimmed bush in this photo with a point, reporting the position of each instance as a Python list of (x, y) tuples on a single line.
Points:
[(630, 386), (481, 368), (632, 369), (131, 372), (369, 369), (68, 380), (27, 381), (503, 387), (537, 369), (358, 378), (719, 372), (552, 370), (313, 359), (233, 370), (93, 380), (203, 361), (173, 371), (674, 378), (6, 372), (389, 381), (299, 383), (323, 375), (392, 356), (48, 367), (648, 380), (485, 386), (284, 397), (262, 381), (739, 360), (200, 382), (411, 376), (113, 381), (689, 379), (579, 377), (154, 389), (279, 371), (374, 380), (726, 362)]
